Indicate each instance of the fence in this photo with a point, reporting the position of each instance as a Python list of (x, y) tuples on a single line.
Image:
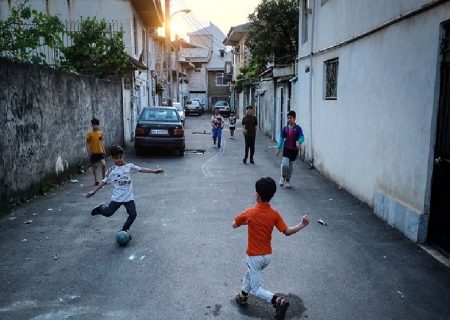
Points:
[(52, 57)]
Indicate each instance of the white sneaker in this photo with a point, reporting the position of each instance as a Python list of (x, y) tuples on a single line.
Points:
[(281, 183), (287, 184)]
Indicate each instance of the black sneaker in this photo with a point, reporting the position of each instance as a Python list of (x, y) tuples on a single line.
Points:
[(241, 300), (96, 210), (244, 160), (281, 307), (251, 161)]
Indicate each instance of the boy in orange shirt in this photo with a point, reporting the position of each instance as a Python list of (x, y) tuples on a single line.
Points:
[(96, 149), (260, 220)]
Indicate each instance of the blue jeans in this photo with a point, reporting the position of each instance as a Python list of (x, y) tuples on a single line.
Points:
[(109, 210), (217, 134)]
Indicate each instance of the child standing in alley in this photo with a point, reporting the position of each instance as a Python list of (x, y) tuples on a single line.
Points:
[(232, 122), (217, 125), (120, 176), (291, 138), (261, 219), (96, 149)]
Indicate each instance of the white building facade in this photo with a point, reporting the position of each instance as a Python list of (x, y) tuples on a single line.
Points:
[(367, 96)]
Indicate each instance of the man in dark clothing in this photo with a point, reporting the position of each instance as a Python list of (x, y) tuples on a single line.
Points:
[(250, 125)]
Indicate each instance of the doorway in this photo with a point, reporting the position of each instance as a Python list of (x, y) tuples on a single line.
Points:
[(439, 224)]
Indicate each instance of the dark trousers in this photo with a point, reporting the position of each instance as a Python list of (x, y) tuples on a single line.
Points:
[(249, 145), (109, 210)]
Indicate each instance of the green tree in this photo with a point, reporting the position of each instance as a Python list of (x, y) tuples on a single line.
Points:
[(96, 50), (26, 30), (273, 32), (248, 74)]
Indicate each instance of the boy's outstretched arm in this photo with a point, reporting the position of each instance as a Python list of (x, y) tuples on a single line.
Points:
[(294, 229), (93, 191), (149, 170)]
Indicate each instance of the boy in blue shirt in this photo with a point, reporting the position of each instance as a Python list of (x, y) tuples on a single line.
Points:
[(291, 138)]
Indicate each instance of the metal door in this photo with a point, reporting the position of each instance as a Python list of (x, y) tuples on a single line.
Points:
[(439, 225)]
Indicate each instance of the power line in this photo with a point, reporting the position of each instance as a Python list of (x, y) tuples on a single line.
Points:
[(193, 21)]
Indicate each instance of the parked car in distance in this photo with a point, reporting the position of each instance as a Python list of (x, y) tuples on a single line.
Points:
[(223, 106), (193, 107), (202, 105), (159, 127), (180, 110)]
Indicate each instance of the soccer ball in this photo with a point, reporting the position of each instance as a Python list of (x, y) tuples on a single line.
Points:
[(122, 238)]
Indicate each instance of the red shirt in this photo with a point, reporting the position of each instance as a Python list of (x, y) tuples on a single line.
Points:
[(260, 220)]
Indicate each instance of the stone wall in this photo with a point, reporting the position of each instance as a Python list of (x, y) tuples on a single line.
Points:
[(44, 117)]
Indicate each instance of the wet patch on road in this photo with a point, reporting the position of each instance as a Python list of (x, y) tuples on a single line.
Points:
[(259, 309), (194, 151), (215, 311), (199, 132)]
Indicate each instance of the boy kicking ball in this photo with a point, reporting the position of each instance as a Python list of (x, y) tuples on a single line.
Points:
[(260, 220), (120, 177)]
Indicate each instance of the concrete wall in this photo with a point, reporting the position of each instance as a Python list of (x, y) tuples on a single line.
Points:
[(376, 140), (44, 117), (118, 11), (198, 79)]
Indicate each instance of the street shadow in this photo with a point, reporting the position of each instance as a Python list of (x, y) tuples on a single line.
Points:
[(259, 309)]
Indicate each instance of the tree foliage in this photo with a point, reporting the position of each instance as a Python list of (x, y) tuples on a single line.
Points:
[(273, 32), (25, 30), (96, 50), (248, 74)]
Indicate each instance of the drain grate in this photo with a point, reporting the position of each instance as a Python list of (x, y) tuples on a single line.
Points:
[(195, 151)]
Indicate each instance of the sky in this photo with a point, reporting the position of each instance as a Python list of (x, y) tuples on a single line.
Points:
[(223, 13)]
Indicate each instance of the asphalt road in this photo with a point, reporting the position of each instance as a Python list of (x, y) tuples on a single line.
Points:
[(185, 261)]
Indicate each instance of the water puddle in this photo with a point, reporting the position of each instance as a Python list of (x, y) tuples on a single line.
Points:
[(261, 310), (194, 151)]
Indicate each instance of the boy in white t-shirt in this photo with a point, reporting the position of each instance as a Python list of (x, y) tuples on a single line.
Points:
[(119, 176)]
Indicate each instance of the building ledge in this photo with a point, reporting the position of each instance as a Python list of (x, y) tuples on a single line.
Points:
[(150, 11), (134, 64)]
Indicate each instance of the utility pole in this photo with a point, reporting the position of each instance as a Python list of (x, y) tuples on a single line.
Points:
[(168, 52)]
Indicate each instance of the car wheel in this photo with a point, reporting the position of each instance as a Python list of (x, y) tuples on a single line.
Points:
[(181, 152)]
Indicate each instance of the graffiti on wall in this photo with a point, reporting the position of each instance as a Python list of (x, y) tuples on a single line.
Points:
[(23, 129)]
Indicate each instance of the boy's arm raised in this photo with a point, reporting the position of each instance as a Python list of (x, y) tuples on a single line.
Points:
[(294, 229), (149, 170)]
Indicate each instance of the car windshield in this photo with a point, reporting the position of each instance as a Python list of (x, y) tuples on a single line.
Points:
[(221, 103), (154, 114)]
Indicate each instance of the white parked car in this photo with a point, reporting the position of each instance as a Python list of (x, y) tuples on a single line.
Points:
[(193, 107)]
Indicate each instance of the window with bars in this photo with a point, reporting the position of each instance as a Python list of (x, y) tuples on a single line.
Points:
[(331, 77)]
